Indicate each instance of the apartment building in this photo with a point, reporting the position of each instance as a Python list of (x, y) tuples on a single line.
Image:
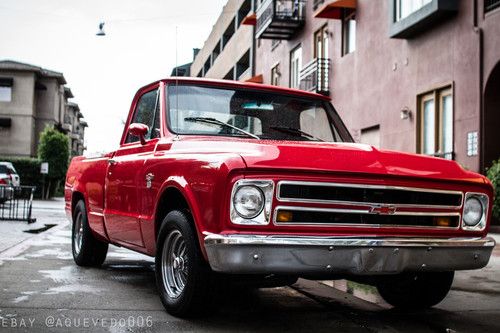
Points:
[(32, 98), (75, 126), (413, 75), (229, 51), (421, 76)]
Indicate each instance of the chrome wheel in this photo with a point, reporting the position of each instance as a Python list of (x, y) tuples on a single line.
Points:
[(78, 232), (174, 264)]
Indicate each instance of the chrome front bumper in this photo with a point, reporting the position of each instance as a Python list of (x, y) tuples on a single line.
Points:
[(253, 254)]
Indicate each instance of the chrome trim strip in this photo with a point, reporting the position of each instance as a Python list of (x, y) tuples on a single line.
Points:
[(241, 239), (359, 211), (347, 185), (324, 256)]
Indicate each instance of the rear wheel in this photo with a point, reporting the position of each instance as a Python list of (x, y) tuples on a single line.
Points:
[(87, 250), (183, 277), (415, 290)]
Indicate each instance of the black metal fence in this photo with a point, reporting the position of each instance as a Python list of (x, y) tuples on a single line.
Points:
[(16, 203)]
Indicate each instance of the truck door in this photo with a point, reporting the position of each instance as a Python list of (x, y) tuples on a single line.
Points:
[(122, 195)]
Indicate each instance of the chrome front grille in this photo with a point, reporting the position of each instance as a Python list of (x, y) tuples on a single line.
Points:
[(340, 204)]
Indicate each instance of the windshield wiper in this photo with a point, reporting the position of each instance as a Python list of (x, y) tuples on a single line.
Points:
[(295, 131), (220, 123)]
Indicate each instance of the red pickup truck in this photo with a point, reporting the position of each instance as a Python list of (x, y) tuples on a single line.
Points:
[(220, 178)]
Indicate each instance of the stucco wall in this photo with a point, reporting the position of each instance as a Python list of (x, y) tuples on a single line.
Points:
[(383, 76)]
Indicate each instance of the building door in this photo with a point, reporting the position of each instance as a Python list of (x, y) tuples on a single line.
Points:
[(321, 43), (491, 123), (295, 66), (321, 54), (491, 135)]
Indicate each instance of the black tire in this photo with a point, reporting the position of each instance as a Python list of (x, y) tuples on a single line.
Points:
[(415, 290), (193, 297), (91, 252)]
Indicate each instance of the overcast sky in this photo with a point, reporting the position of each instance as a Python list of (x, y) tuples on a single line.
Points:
[(105, 72)]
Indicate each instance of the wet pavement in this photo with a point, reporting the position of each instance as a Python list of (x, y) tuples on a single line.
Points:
[(42, 290)]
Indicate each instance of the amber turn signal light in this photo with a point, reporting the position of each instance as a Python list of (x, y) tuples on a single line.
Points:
[(442, 221), (284, 216)]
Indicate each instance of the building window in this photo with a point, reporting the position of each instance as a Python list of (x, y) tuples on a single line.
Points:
[(6, 89), (405, 8), (275, 75), (348, 31), (295, 66), (436, 123), (321, 43)]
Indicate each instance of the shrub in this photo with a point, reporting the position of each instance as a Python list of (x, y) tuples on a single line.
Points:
[(493, 174)]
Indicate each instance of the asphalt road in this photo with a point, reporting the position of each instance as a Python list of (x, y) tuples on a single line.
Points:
[(42, 290)]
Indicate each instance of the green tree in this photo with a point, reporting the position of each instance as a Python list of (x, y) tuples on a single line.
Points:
[(53, 148), (493, 173)]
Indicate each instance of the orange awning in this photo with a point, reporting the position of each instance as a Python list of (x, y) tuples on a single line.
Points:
[(250, 19), (256, 79), (333, 9)]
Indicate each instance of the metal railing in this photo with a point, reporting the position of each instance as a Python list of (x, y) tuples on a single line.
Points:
[(490, 5), (16, 203), (282, 10), (315, 76)]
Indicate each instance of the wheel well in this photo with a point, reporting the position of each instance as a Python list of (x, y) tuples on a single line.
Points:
[(171, 199), (77, 196)]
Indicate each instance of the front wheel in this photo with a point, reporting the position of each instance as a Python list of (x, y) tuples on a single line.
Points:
[(183, 277), (87, 250), (415, 290)]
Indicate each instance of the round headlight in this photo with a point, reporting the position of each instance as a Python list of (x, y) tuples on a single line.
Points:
[(473, 211), (248, 201)]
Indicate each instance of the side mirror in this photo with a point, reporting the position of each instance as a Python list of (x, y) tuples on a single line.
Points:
[(140, 130)]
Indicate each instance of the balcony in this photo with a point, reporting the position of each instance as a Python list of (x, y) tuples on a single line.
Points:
[(315, 76), (280, 19), (67, 127), (332, 9)]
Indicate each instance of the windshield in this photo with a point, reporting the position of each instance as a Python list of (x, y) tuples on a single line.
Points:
[(254, 114)]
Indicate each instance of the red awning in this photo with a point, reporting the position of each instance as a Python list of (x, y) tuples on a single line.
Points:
[(250, 19), (256, 79), (333, 9)]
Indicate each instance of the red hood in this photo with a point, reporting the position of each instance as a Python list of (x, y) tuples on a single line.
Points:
[(334, 157)]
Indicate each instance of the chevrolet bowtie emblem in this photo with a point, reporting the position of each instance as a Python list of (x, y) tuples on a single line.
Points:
[(383, 209)]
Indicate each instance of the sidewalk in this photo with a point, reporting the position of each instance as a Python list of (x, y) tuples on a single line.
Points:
[(46, 212)]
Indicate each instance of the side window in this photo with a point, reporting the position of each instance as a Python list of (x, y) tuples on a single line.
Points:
[(144, 114), (156, 131)]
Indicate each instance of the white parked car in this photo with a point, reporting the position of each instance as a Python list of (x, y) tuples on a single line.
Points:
[(8, 177), (8, 174)]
